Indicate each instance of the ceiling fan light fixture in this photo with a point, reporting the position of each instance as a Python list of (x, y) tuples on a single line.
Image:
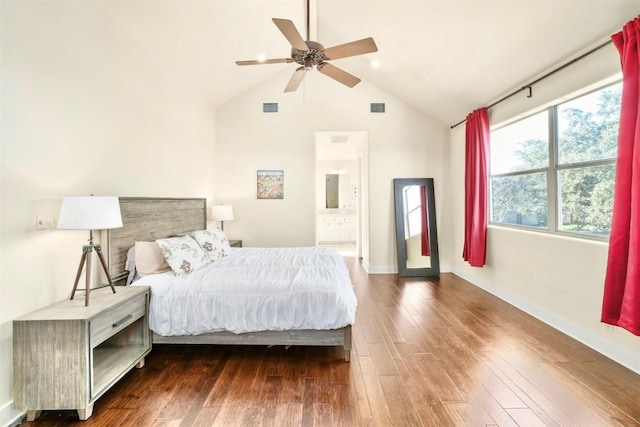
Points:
[(308, 64), (375, 63), (309, 53)]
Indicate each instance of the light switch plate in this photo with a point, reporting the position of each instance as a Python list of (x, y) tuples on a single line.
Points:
[(41, 222)]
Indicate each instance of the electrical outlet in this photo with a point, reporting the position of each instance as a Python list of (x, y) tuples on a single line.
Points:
[(41, 223)]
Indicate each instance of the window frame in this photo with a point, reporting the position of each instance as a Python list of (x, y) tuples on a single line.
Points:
[(552, 171)]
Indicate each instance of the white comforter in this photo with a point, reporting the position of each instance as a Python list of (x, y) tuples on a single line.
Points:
[(255, 289)]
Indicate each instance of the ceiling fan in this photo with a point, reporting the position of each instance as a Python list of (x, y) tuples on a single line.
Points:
[(309, 53)]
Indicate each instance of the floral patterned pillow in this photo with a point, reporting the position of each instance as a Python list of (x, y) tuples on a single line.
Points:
[(214, 242), (183, 254)]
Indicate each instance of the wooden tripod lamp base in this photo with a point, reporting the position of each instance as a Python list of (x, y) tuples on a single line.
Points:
[(85, 261)]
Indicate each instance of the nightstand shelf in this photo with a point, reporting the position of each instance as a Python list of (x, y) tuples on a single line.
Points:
[(110, 360), (67, 355), (235, 243)]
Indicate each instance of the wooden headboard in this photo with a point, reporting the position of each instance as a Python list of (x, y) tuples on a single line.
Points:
[(148, 219)]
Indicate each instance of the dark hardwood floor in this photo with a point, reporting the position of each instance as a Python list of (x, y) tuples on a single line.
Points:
[(426, 353)]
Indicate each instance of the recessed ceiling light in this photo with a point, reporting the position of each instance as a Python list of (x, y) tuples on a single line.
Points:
[(375, 63), (262, 57)]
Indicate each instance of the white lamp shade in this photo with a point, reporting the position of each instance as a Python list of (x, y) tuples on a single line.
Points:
[(222, 213), (89, 213)]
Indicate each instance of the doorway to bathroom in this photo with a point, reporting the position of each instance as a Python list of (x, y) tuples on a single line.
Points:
[(342, 181)]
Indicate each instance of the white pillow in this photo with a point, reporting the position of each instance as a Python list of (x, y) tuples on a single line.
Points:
[(183, 254), (214, 242)]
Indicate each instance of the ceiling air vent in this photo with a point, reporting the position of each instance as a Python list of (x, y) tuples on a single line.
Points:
[(269, 107), (377, 107), (339, 139)]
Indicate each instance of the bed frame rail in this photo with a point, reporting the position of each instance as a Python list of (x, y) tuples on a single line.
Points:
[(334, 337)]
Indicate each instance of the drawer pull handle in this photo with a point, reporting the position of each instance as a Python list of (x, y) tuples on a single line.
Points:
[(120, 322)]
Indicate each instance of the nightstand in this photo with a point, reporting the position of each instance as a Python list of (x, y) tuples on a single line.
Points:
[(67, 355), (235, 243)]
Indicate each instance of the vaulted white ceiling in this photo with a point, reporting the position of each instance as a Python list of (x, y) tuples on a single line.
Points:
[(443, 57)]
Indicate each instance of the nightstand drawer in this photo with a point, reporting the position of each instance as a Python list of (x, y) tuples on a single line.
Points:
[(111, 322)]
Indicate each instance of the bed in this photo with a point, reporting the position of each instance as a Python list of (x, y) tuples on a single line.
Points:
[(223, 319)]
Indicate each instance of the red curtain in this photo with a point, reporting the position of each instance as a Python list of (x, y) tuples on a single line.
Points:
[(621, 302), (476, 203), (426, 249)]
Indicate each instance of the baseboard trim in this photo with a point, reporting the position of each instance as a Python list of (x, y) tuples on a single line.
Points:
[(10, 417), (382, 269), (393, 269), (607, 348)]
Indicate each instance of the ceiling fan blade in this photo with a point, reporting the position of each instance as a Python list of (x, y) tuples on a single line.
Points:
[(265, 61), (358, 47), (289, 30), (296, 79), (338, 74)]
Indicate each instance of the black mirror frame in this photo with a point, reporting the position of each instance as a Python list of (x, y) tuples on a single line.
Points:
[(401, 244)]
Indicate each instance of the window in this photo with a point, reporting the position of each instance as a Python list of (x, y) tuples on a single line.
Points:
[(413, 208), (555, 170)]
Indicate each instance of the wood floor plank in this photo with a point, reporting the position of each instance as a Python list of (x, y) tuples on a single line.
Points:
[(322, 415), (382, 359), (554, 391), (229, 415), (526, 417), (401, 408), (434, 415), (521, 387), (343, 397), (166, 423), (289, 414), (206, 417), (499, 391), (492, 413), (357, 380), (426, 352), (377, 401), (438, 385), (190, 393), (359, 340), (253, 417), (604, 393), (463, 414)]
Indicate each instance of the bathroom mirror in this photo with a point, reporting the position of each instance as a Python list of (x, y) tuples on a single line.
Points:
[(416, 232), (332, 191), (338, 194)]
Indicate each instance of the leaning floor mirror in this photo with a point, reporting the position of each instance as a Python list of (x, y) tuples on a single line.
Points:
[(416, 232)]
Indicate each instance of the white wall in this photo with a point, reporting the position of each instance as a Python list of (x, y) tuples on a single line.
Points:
[(80, 114), (557, 279), (402, 144)]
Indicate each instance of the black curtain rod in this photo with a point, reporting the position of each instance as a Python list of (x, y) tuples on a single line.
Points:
[(550, 73)]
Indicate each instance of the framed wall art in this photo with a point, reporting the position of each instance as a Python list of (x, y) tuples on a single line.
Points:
[(270, 184)]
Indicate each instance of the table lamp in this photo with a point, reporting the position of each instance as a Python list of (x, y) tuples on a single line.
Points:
[(222, 213), (89, 213)]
